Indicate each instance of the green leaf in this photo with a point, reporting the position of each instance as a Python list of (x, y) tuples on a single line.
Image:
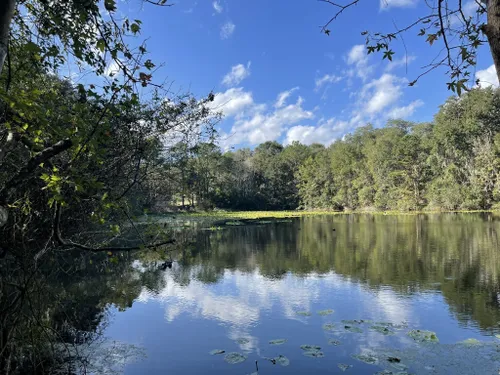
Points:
[(388, 55), (101, 45), (431, 38), (110, 5), (32, 47), (135, 28)]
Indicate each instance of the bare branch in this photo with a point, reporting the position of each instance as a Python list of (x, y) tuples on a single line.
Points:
[(341, 10), (70, 244)]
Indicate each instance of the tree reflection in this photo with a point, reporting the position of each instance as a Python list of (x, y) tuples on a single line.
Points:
[(454, 253)]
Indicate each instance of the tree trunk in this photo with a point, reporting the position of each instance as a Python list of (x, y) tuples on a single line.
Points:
[(6, 13), (492, 31)]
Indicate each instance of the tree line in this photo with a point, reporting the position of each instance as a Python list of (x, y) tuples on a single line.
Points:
[(452, 163)]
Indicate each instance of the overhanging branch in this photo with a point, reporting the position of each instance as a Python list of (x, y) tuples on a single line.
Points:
[(70, 244)]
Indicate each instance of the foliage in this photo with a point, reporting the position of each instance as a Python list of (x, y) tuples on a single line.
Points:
[(460, 27)]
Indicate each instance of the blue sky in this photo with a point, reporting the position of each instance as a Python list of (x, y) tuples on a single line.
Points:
[(278, 78)]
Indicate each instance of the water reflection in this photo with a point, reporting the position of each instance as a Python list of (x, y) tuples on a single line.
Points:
[(240, 287)]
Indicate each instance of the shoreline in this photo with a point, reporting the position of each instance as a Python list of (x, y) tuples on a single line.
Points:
[(289, 214)]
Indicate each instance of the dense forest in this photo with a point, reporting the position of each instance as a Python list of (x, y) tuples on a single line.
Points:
[(450, 164)]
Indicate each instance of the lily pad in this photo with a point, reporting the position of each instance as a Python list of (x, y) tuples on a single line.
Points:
[(381, 329), (344, 367), (310, 347), (234, 358), (325, 312), (366, 358), (423, 336), (353, 329), (303, 313), (334, 342), (217, 351), (272, 360), (470, 342), (314, 354), (391, 325), (352, 322), (277, 342), (497, 336), (329, 327), (242, 341), (282, 360)]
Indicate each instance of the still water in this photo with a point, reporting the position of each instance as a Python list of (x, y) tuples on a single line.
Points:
[(238, 288)]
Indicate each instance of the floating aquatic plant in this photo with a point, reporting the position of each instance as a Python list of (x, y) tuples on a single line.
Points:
[(366, 358), (352, 322), (423, 336), (325, 312), (470, 342), (329, 327), (353, 329), (344, 367), (277, 342), (310, 347), (382, 329), (234, 358), (282, 360), (314, 354), (304, 313), (217, 351)]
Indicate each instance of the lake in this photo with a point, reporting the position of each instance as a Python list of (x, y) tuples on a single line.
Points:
[(358, 293)]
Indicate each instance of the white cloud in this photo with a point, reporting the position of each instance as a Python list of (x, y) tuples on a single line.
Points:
[(325, 133), (406, 111), (379, 100), (233, 102), (237, 74), (327, 78), (469, 10), (283, 96), (381, 93), (217, 7), (397, 63), (487, 77), (385, 4), (359, 59), (227, 30), (357, 54), (261, 126)]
